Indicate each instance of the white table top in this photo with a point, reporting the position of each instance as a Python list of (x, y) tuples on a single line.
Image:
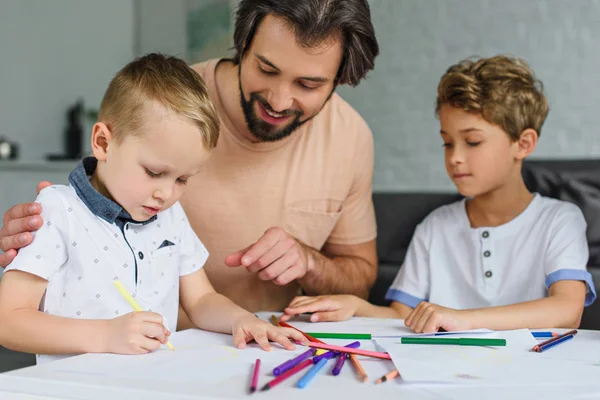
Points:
[(44, 381)]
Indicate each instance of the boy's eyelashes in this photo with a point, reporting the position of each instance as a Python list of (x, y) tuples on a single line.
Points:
[(470, 144), (153, 174), (158, 174)]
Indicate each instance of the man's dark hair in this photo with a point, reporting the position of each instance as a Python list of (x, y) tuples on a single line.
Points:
[(313, 22)]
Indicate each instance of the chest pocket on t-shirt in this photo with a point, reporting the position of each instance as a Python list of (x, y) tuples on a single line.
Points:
[(165, 260), (312, 221)]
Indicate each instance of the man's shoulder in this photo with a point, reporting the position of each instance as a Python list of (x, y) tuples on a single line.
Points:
[(342, 113), (203, 68), (342, 124)]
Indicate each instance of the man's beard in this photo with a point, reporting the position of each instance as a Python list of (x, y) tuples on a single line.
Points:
[(262, 130)]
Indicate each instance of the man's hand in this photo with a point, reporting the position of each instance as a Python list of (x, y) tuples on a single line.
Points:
[(17, 224), (324, 308), (428, 317), (276, 256)]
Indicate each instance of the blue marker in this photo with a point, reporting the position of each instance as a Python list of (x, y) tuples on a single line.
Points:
[(543, 335), (552, 344), (305, 380)]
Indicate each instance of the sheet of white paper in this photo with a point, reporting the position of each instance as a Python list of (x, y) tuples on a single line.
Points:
[(514, 364), (199, 356)]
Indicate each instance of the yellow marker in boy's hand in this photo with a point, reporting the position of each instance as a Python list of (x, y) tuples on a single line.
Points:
[(134, 304)]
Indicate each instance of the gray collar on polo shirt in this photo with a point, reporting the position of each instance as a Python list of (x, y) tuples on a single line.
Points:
[(97, 203)]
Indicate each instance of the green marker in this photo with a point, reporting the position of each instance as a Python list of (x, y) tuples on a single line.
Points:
[(331, 335), (454, 341)]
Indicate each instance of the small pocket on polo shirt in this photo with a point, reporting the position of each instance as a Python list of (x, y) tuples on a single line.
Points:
[(312, 221), (168, 251)]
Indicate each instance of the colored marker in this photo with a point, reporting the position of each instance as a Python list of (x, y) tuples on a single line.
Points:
[(362, 375), (254, 382), (554, 343), (572, 332), (289, 364), (331, 335), (310, 338), (543, 335), (287, 374), (341, 349), (134, 304), (331, 354), (389, 376), (305, 380), (454, 341), (339, 363)]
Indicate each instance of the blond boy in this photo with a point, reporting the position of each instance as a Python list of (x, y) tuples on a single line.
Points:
[(120, 219)]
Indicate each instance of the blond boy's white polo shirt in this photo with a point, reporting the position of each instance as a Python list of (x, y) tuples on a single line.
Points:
[(453, 265), (80, 254)]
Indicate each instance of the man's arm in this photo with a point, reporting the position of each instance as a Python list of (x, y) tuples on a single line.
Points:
[(341, 269)]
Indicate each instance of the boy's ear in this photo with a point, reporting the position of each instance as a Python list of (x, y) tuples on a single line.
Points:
[(526, 143), (101, 139)]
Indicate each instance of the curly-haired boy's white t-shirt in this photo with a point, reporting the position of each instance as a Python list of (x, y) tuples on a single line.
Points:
[(81, 254), (453, 265)]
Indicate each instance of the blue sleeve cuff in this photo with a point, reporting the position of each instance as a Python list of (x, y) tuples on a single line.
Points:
[(403, 297), (574, 275)]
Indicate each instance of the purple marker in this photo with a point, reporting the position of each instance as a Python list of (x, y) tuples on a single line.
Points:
[(339, 363), (289, 364), (331, 354)]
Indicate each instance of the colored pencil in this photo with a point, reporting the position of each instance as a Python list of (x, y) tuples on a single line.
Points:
[(454, 341), (331, 354), (540, 335), (544, 343), (254, 382), (554, 343), (332, 335), (289, 364), (341, 349), (287, 374), (339, 363), (305, 380), (132, 302), (362, 375), (389, 376)]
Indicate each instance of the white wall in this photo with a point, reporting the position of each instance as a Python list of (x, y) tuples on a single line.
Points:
[(51, 53), (162, 27), (420, 39)]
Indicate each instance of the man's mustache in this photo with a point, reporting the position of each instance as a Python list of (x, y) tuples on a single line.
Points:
[(265, 104)]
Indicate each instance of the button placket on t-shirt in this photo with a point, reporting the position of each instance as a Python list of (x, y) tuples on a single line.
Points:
[(487, 257)]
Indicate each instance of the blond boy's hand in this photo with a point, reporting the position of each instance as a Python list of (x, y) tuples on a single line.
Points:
[(248, 328), (429, 317), (138, 332), (324, 308)]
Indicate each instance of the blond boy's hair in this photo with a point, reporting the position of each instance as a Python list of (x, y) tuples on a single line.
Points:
[(502, 89), (167, 81)]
